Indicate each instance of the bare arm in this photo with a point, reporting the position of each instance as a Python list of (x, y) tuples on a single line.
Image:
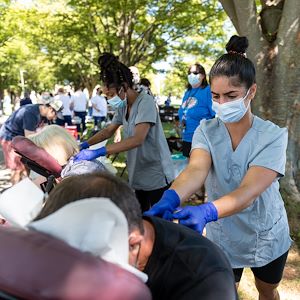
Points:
[(193, 177), (104, 134), (140, 132), (256, 181)]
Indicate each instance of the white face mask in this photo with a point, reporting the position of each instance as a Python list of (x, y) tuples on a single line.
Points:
[(193, 79), (232, 111)]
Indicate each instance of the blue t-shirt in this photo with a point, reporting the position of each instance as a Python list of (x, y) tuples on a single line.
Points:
[(196, 105), (26, 117)]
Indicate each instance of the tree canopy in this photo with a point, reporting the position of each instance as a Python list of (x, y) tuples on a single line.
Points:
[(63, 40)]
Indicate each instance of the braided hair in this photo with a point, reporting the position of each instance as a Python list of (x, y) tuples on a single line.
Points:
[(235, 64), (113, 73)]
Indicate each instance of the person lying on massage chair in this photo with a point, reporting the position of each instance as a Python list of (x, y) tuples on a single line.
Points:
[(180, 263), (49, 268), (62, 146)]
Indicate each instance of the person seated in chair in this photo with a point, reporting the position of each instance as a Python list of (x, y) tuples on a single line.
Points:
[(180, 263)]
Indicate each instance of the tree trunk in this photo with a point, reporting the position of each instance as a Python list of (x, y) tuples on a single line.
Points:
[(278, 72)]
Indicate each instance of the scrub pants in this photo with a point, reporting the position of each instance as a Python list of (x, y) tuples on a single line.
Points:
[(148, 198), (186, 148)]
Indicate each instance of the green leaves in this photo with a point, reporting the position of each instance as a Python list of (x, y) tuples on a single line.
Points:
[(70, 35)]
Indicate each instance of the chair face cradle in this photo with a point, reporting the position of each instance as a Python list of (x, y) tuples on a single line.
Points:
[(36, 157), (37, 266), (37, 160)]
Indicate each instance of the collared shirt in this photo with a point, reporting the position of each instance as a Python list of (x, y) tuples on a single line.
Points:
[(260, 233), (149, 165)]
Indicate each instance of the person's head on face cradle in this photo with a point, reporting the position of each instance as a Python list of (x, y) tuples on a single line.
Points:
[(232, 80), (57, 141), (102, 184), (196, 76), (117, 80)]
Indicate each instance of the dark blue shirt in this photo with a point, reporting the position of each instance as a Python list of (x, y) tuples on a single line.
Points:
[(196, 105), (25, 101), (26, 117)]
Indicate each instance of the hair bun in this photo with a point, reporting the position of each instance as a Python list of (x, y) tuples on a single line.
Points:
[(237, 44)]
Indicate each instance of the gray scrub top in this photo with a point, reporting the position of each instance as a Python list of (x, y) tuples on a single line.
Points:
[(260, 233), (149, 166)]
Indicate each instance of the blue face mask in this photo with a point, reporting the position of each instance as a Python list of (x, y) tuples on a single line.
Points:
[(193, 79), (115, 102)]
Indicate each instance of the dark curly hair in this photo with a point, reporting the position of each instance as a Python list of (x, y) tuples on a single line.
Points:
[(113, 73)]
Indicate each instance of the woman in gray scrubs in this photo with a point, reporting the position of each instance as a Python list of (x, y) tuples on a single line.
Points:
[(240, 158), (150, 169)]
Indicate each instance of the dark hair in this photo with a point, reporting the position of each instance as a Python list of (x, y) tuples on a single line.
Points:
[(235, 64), (78, 86), (99, 89), (113, 73), (146, 82), (200, 69), (99, 184)]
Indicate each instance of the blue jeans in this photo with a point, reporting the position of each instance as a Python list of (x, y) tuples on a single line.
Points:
[(66, 119), (81, 115), (98, 120)]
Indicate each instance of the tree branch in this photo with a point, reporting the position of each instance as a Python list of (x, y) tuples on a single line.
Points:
[(229, 8), (94, 27)]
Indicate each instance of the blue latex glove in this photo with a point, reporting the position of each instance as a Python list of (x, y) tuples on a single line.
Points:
[(89, 154), (196, 217), (84, 145), (165, 206)]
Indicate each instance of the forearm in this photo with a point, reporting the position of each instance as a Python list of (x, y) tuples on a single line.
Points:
[(124, 145), (185, 184), (235, 201), (99, 137)]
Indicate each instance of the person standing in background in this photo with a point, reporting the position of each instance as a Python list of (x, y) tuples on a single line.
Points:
[(99, 105), (26, 99), (79, 103), (196, 105), (66, 112), (24, 122)]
